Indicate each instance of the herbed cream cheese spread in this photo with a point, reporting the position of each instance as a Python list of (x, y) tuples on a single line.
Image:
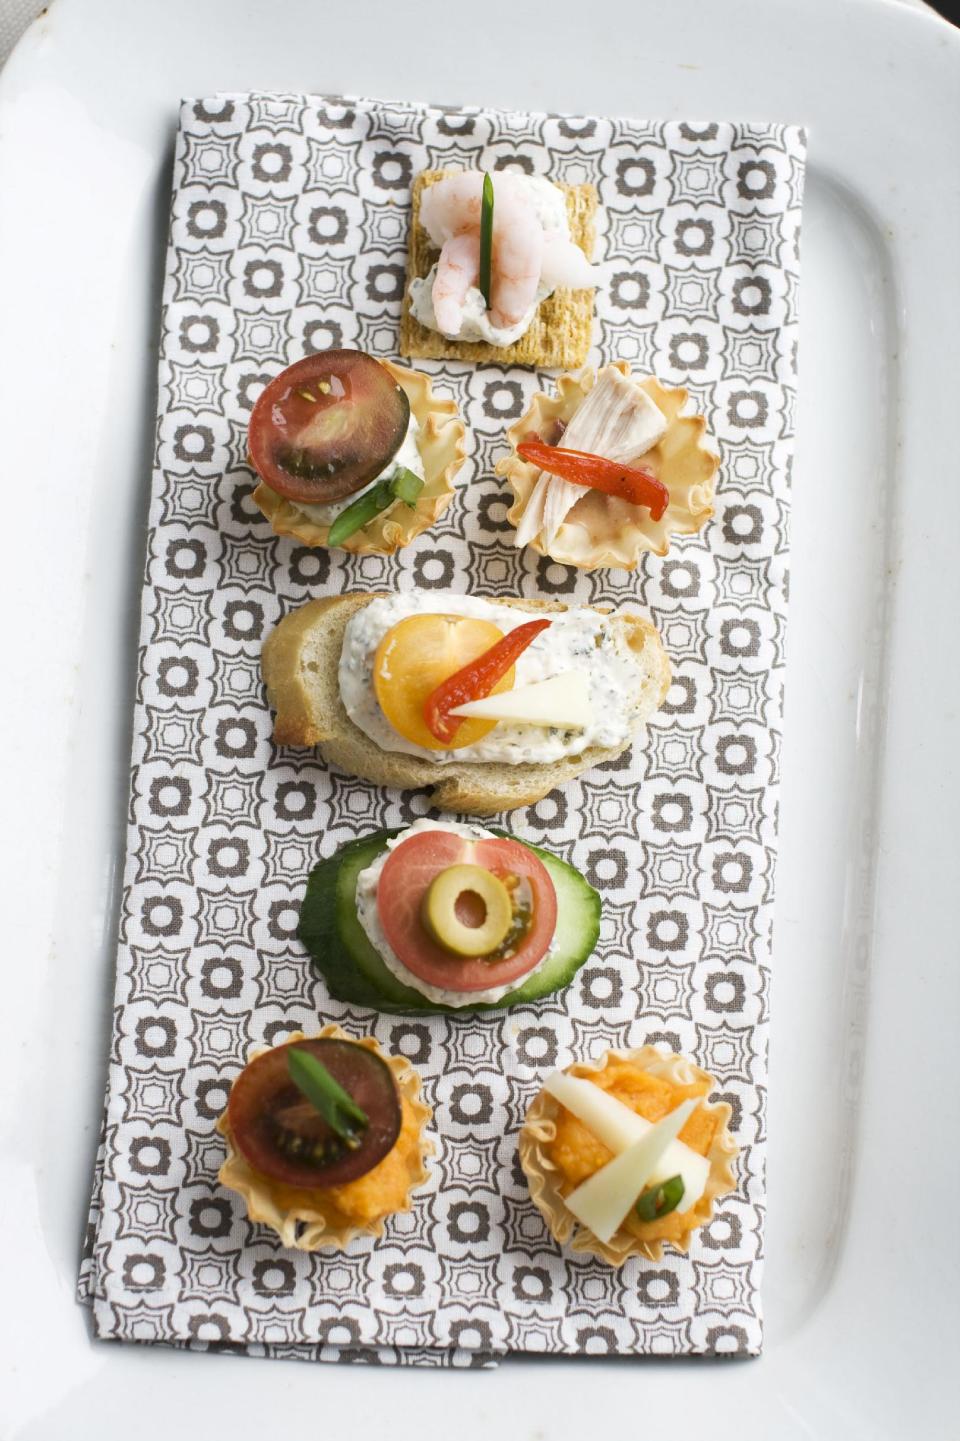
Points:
[(577, 639), (475, 322), (367, 914), (408, 455), (550, 207)]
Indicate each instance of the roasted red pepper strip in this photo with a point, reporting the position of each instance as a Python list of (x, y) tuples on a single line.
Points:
[(476, 680), (639, 487)]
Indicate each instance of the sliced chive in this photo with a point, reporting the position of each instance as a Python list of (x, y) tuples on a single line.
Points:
[(657, 1201), (335, 1105), (406, 485), (486, 239), (360, 512), (402, 485)]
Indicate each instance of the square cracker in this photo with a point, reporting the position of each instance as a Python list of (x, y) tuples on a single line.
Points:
[(559, 334)]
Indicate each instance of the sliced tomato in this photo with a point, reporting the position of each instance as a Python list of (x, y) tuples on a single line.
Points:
[(404, 881), (327, 425), (274, 1125)]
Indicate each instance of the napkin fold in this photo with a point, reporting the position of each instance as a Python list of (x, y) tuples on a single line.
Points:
[(288, 234)]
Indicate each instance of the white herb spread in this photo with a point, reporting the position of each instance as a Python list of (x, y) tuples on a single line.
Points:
[(577, 639), (408, 455), (367, 882), (550, 208), (475, 323)]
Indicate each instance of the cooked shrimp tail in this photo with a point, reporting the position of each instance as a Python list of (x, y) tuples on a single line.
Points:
[(517, 253), (457, 269), (564, 263)]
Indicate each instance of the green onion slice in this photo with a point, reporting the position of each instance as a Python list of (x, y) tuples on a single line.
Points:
[(406, 485), (338, 1109), (486, 239), (402, 485), (657, 1201)]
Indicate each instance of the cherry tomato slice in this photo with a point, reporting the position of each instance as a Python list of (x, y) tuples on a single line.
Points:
[(267, 1114), (404, 881), (327, 425), (415, 656)]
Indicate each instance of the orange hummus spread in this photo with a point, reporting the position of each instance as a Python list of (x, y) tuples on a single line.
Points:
[(385, 1188), (577, 1153)]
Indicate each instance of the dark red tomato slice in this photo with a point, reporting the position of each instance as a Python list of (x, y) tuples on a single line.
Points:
[(326, 426), (404, 881), (267, 1114)]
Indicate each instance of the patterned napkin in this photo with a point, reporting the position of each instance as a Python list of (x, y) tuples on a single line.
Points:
[(289, 227)]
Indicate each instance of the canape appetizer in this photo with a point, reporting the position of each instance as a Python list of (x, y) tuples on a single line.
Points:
[(444, 916), (625, 1154), (325, 1138), (608, 468), (499, 269), (354, 452), (491, 702)]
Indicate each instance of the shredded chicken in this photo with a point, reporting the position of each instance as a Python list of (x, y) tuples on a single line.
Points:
[(617, 420)]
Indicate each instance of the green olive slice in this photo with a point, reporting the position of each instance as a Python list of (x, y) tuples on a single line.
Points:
[(468, 910)]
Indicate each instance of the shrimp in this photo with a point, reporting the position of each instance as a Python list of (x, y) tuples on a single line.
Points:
[(452, 206), (564, 263), (450, 214), (457, 269), (517, 259)]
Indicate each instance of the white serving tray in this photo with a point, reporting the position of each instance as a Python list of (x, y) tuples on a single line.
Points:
[(861, 1278)]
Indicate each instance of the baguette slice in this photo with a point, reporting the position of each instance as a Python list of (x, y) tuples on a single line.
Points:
[(300, 667)]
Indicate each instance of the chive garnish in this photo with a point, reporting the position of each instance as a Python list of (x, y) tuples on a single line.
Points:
[(406, 485), (657, 1201), (486, 239), (402, 485), (338, 1109)]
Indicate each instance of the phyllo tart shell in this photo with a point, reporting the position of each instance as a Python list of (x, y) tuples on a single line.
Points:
[(442, 443), (549, 1182), (309, 1220), (602, 530)]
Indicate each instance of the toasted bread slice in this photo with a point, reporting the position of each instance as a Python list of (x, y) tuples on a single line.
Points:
[(300, 667), (559, 334)]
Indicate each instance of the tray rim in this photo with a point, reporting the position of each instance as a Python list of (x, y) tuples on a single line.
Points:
[(922, 558)]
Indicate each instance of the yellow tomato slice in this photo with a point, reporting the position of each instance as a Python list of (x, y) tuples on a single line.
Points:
[(415, 656)]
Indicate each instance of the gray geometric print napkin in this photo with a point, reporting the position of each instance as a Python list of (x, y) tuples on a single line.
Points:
[(289, 228)]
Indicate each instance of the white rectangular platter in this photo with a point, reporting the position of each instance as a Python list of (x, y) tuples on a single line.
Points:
[(861, 1311)]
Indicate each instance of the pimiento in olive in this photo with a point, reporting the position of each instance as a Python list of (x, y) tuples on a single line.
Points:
[(327, 426), (284, 1137), (467, 910)]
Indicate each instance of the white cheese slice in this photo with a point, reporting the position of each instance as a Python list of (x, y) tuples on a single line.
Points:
[(604, 1199), (561, 700), (618, 1128), (617, 420)]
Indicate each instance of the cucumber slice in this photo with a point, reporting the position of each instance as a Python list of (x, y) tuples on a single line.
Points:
[(354, 971)]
